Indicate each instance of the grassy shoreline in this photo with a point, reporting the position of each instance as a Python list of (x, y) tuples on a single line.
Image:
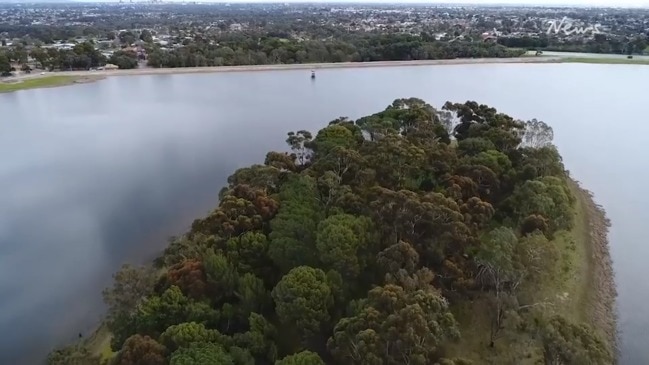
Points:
[(606, 60), (98, 343), (43, 82), (602, 294), (583, 291)]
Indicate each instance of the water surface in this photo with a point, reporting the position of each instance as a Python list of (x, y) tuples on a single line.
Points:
[(99, 174)]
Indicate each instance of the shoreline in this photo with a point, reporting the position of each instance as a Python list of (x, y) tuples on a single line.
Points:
[(602, 290), (45, 82), (91, 76), (308, 66)]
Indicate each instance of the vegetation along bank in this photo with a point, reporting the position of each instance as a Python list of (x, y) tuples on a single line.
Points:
[(410, 236)]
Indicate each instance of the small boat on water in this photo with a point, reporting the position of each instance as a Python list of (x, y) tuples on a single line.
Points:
[(312, 74)]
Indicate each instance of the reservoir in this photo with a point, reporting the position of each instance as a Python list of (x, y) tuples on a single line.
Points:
[(95, 175)]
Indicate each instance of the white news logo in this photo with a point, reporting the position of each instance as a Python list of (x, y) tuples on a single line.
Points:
[(566, 27)]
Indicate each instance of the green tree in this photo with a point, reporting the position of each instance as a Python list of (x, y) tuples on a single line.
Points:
[(260, 176), (494, 160), (185, 334), (536, 256), (249, 253), (86, 56), (293, 236), (41, 56), (158, 313), (342, 242), (334, 135), (569, 343), (145, 36), (393, 327), (201, 354), (481, 121), (342, 162), (548, 197), (131, 286), (259, 339), (241, 356), (473, 146), (302, 299), (375, 126), (395, 160), (19, 54), (301, 358), (222, 276), (252, 295), (539, 162), (127, 38), (299, 141), (124, 59), (434, 225), (279, 160), (5, 65), (497, 271), (186, 247)]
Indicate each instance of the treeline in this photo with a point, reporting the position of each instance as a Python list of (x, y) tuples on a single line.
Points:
[(271, 50), (355, 247), (232, 50), (82, 56), (599, 44), (48, 34)]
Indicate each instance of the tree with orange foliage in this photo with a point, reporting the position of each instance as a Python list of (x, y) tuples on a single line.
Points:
[(190, 277), (141, 350)]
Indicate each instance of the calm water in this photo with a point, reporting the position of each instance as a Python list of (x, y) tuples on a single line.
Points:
[(98, 174)]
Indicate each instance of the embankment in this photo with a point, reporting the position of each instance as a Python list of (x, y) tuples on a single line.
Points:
[(602, 291), (21, 82), (62, 78)]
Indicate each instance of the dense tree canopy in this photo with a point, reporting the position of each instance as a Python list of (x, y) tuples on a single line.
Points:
[(348, 47), (355, 248), (254, 49)]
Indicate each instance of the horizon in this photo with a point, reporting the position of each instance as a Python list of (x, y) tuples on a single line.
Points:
[(512, 3)]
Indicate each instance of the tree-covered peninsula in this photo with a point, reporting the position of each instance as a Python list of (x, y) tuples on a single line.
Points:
[(414, 235)]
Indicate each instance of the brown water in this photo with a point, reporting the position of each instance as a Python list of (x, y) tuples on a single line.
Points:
[(98, 174)]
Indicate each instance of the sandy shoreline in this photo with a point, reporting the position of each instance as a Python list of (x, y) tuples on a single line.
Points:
[(301, 66), (603, 293)]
